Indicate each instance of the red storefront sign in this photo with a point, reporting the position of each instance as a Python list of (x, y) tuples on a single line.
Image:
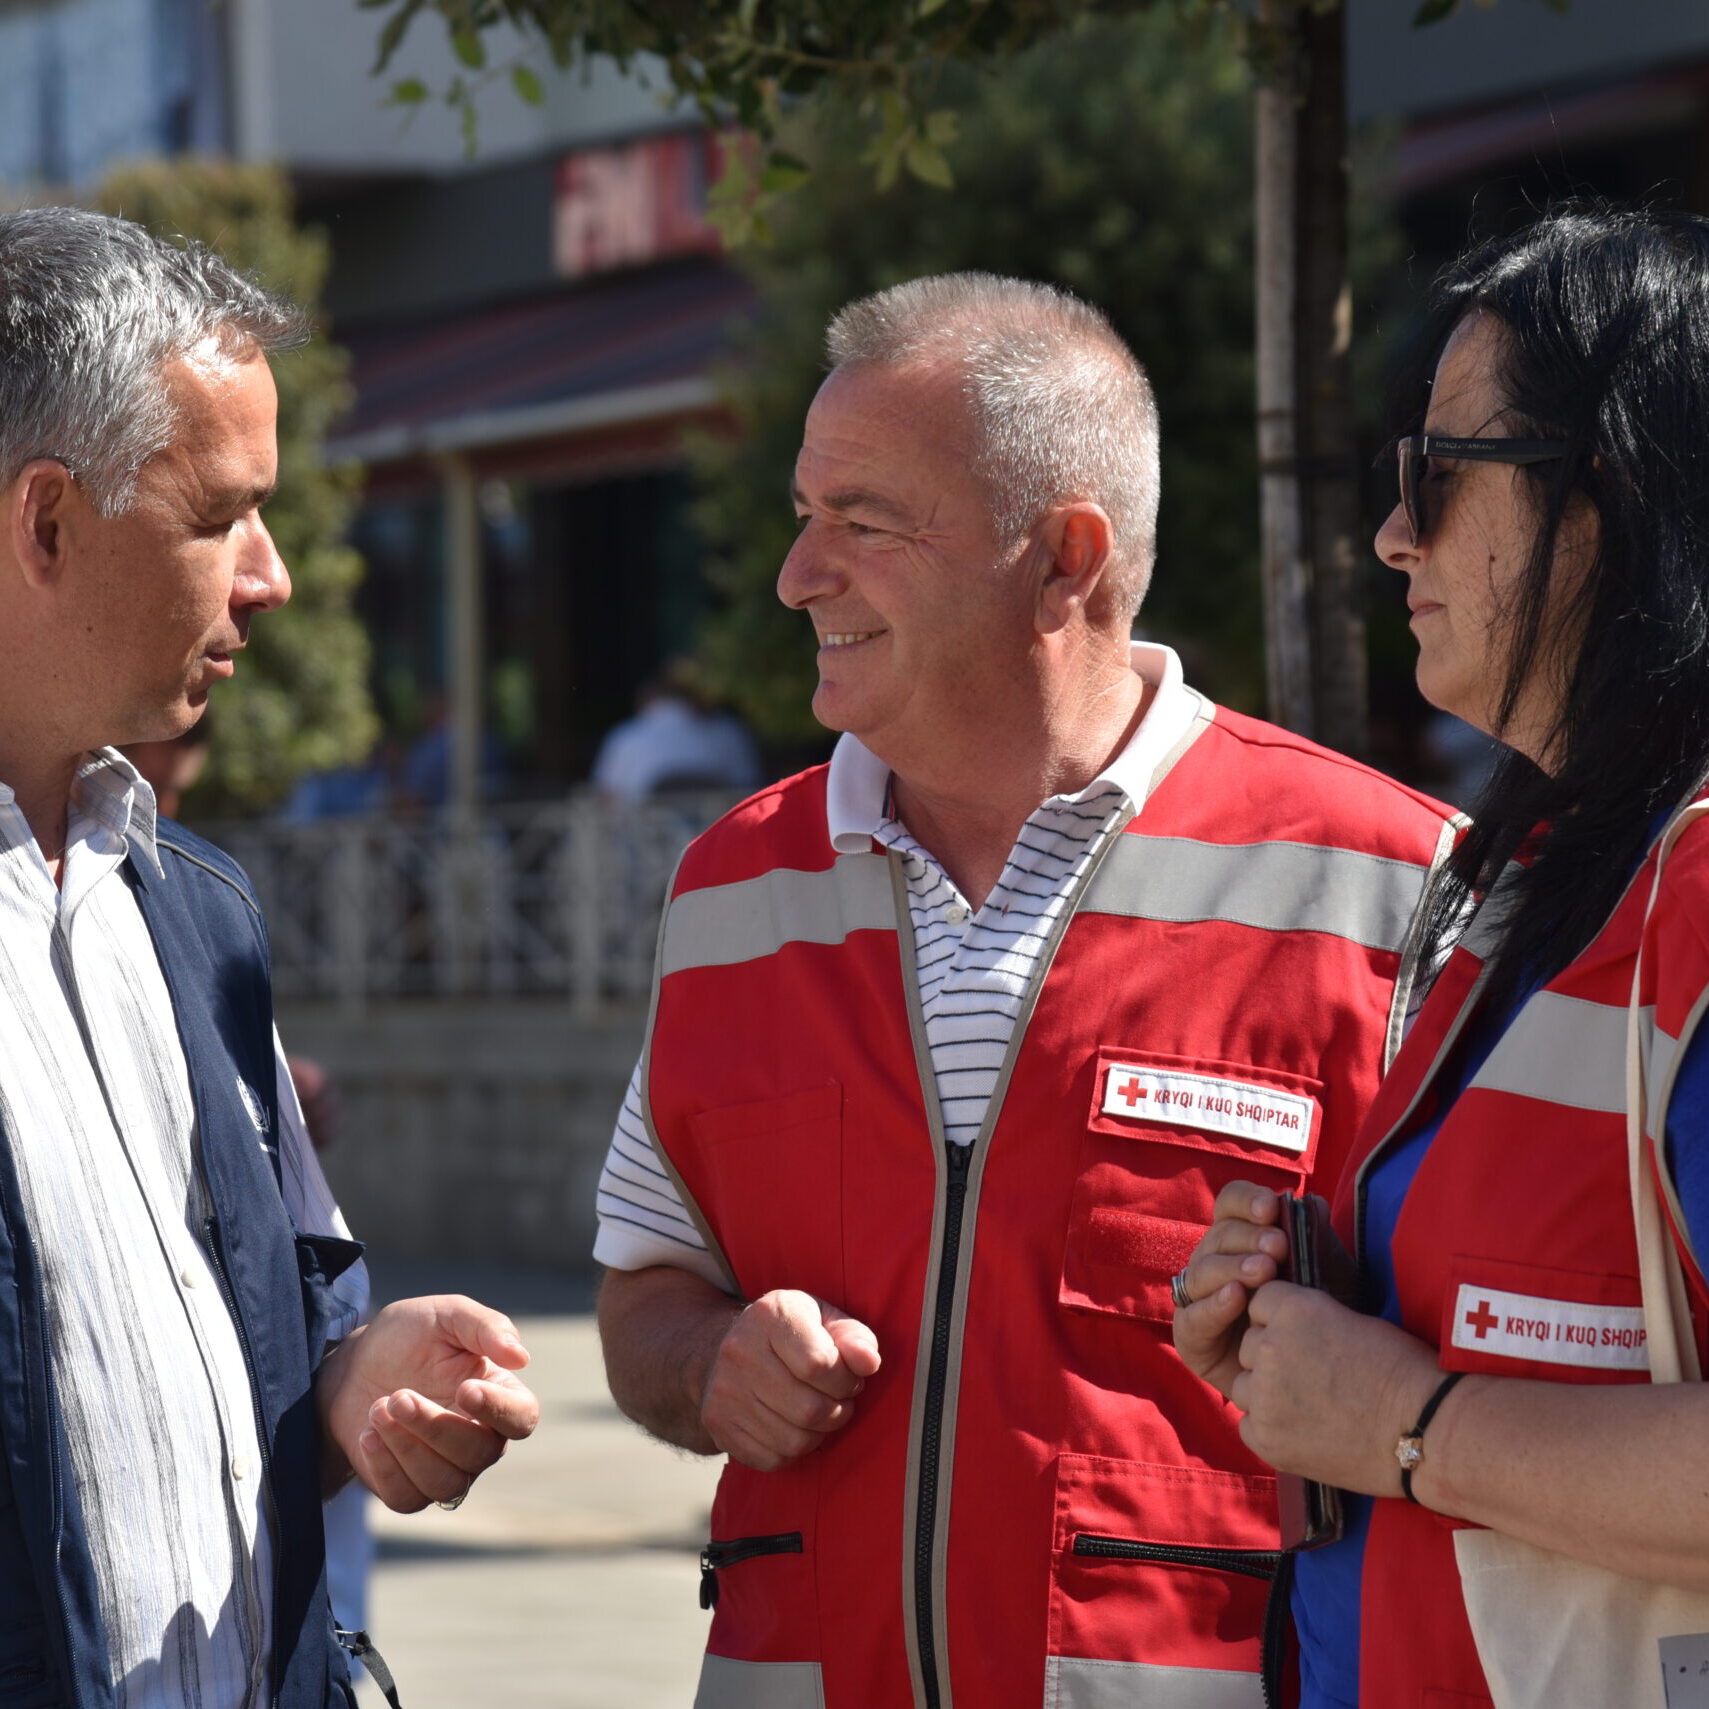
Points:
[(633, 203)]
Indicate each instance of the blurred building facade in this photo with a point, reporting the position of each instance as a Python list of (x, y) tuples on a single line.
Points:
[(1502, 109), (533, 331)]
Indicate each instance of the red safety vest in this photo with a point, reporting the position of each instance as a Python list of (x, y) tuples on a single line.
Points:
[(1036, 1502), (1514, 1253)]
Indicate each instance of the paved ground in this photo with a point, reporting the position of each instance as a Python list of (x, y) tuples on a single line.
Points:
[(568, 1580)]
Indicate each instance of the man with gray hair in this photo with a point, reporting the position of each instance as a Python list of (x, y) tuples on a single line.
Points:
[(181, 1375), (956, 1039)]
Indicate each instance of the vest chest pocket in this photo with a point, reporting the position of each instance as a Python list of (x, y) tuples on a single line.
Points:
[(768, 1177), (1164, 1135)]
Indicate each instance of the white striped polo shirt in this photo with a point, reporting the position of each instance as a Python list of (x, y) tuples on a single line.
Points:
[(975, 967)]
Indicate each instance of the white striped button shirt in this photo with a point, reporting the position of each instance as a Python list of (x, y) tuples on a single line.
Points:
[(96, 1108), (975, 968)]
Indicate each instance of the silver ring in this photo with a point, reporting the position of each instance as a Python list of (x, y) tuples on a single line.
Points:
[(454, 1503), (1178, 1291)]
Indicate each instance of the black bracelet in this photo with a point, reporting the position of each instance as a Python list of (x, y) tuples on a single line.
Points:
[(1409, 1450)]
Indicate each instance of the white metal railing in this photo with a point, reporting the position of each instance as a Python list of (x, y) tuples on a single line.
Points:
[(556, 898)]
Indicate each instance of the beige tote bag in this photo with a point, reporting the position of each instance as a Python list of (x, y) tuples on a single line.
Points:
[(1557, 1633)]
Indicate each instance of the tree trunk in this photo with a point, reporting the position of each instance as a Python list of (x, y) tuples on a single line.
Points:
[(1315, 632)]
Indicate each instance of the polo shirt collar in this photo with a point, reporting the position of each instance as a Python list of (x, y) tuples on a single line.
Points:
[(859, 782)]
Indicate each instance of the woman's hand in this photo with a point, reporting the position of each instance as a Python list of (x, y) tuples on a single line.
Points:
[(1242, 1250), (1327, 1392)]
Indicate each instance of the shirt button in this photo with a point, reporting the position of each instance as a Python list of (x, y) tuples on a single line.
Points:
[(955, 913), (188, 1277), (240, 1467)]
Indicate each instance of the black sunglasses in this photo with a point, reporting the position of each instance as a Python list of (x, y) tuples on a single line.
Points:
[(1414, 454)]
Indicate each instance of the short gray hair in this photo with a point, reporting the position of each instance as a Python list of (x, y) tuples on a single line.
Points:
[(1060, 406), (92, 309)]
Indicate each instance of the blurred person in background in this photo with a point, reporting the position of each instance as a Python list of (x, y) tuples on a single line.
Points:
[(955, 1041), (1500, 1409), (675, 741), (182, 1377), (350, 790), (424, 776)]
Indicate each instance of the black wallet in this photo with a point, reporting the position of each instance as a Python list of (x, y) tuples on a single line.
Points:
[(1310, 1512)]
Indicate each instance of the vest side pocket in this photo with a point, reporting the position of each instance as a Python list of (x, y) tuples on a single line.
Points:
[(1159, 1579), (765, 1607)]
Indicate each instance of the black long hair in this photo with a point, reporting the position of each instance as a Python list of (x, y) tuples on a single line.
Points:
[(1604, 316)]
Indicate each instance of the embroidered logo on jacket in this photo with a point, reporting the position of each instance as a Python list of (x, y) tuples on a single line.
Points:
[(253, 1105), (1558, 1332), (1209, 1102)]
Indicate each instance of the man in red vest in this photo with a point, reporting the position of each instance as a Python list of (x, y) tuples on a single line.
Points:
[(955, 1041)]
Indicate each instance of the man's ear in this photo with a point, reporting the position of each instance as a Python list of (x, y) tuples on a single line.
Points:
[(1080, 544), (37, 505)]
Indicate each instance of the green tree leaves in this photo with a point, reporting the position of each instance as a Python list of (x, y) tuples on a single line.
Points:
[(1116, 162)]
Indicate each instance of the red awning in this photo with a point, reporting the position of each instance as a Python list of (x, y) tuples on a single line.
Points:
[(596, 358)]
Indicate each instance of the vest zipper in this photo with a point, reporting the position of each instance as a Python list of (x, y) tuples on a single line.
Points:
[(960, 1159), (216, 1251), (1278, 1608), (717, 1555), (1250, 1563)]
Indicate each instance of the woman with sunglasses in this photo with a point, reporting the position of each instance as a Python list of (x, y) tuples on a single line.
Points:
[(1553, 526)]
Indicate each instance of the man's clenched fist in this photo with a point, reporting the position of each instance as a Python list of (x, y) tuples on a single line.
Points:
[(784, 1377)]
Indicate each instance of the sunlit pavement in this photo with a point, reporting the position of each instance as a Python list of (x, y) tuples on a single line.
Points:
[(569, 1577)]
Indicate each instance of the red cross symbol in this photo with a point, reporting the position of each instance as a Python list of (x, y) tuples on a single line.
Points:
[(1132, 1092), (1483, 1320)]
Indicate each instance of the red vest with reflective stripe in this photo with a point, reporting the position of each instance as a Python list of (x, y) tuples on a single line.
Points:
[(1514, 1253), (1033, 1486)]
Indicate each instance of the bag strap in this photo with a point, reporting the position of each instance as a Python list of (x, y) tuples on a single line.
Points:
[(1667, 1311), (360, 1644)]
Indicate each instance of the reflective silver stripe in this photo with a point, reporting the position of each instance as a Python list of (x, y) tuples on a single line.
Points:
[(1661, 1053), (1562, 1050), (726, 1684), (1567, 1050), (1277, 887), (727, 923), (707, 1238), (1076, 1682)]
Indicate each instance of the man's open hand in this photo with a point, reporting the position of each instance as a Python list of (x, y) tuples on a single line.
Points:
[(784, 1377), (422, 1400)]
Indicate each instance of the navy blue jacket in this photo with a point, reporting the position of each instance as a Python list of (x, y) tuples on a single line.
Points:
[(212, 945)]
